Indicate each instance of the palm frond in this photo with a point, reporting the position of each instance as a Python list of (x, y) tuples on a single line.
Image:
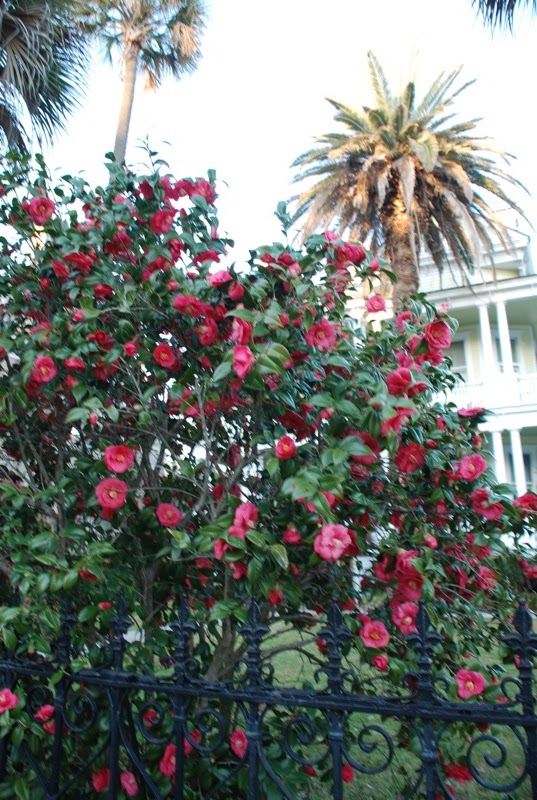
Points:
[(501, 13), (379, 82)]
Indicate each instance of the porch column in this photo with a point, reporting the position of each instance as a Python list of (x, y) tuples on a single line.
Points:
[(518, 462), (505, 339), (487, 349), (499, 457)]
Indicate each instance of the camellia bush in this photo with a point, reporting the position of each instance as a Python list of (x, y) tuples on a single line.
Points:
[(174, 424)]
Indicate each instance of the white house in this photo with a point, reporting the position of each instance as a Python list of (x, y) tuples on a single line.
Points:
[(494, 350)]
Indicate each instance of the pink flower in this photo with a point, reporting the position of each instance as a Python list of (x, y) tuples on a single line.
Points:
[(292, 536), (207, 255), (74, 363), (410, 584), (162, 221), (238, 742), (111, 493), (471, 467), (374, 634), (410, 457), (399, 381), (243, 361), (332, 541), (469, 683), (164, 356), (380, 662), (118, 458), (40, 209), (486, 579), (481, 504), (285, 448), (168, 760), (322, 335), (219, 278), (437, 335), (246, 516), (470, 412), (168, 515), (8, 700), (129, 783), (241, 331), (375, 303), (44, 369), (44, 713), (404, 617), (101, 779)]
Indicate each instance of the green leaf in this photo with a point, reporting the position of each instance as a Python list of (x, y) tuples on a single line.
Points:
[(10, 640), (279, 554), (22, 790), (77, 415), (222, 371)]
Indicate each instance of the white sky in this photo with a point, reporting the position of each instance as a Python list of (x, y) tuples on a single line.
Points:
[(257, 99)]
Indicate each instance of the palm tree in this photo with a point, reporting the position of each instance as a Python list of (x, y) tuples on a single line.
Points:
[(502, 12), (43, 66), (155, 38), (406, 175)]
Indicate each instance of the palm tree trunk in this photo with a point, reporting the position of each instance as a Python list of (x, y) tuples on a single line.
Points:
[(401, 251), (130, 68)]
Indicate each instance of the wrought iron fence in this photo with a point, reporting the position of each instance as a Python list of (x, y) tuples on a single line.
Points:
[(112, 732)]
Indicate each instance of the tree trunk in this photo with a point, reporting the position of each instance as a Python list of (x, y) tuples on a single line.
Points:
[(130, 68), (401, 252)]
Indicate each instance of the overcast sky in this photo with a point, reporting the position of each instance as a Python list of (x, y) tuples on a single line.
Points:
[(257, 99)]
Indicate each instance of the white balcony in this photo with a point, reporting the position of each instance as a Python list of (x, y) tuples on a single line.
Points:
[(499, 393)]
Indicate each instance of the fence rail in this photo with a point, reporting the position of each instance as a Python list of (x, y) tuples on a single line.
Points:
[(108, 731)]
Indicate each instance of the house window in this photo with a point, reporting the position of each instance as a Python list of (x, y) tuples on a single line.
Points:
[(457, 354)]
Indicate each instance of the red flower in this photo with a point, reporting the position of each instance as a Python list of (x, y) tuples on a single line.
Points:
[(458, 772), (207, 255), (165, 356), (275, 597), (129, 783), (195, 735), (375, 303), (101, 779), (399, 381), (437, 335), (83, 262), (187, 305), (380, 662), (470, 412), (404, 617), (527, 502), (168, 515), (469, 683), (130, 348), (40, 209), (111, 493), (243, 361), (347, 774), (332, 541), (322, 335), (471, 467), (44, 369), (374, 634), (410, 584), (285, 448), (410, 457), (162, 221), (207, 332), (118, 458), (238, 742), (8, 700), (370, 442), (167, 762)]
